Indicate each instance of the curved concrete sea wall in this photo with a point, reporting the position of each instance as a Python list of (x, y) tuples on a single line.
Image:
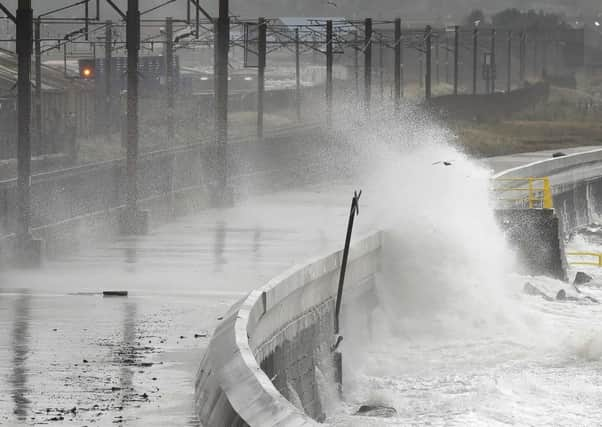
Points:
[(273, 353), (538, 235), (578, 198)]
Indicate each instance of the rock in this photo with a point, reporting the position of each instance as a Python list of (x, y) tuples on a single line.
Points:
[(529, 289), (379, 411), (581, 278), (558, 154), (84, 361), (561, 295), (201, 335)]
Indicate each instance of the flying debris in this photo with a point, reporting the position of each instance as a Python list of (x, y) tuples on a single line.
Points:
[(444, 163), (331, 3)]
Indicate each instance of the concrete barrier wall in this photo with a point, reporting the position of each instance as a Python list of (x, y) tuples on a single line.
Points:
[(551, 166), (535, 233), (577, 202), (578, 199), (268, 357)]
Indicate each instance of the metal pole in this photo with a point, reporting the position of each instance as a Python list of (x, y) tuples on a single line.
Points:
[(108, 79), (197, 23), (367, 63), (397, 64), (456, 57), (86, 20), (298, 74), (437, 68), (447, 79), (329, 64), (535, 68), (521, 57), (354, 211), (24, 50), (493, 63), (381, 69), (133, 46), (475, 49), (544, 55), (509, 65), (402, 78), (65, 60), (221, 93), (38, 93), (427, 80), (261, 62), (356, 64), (170, 81)]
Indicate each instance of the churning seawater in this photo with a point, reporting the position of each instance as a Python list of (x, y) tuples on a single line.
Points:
[(454, 340)]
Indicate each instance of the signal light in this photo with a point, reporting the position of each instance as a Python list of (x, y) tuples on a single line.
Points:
[(87, 69)]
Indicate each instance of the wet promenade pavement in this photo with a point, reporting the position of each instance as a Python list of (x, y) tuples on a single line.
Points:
[(70, 356)]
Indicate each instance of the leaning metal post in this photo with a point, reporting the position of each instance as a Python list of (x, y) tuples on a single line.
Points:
[(355, 210), (338, 357)]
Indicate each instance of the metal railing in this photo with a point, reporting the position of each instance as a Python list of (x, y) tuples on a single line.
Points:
[(525, 192), (597, 256)]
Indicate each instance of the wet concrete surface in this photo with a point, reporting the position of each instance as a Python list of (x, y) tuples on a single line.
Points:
[(73, 357), (501, 163)]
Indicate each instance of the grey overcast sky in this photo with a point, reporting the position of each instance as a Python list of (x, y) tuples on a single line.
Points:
[(408, 9)]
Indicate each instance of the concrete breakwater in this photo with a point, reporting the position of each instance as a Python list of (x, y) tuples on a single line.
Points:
[(266, 359)]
